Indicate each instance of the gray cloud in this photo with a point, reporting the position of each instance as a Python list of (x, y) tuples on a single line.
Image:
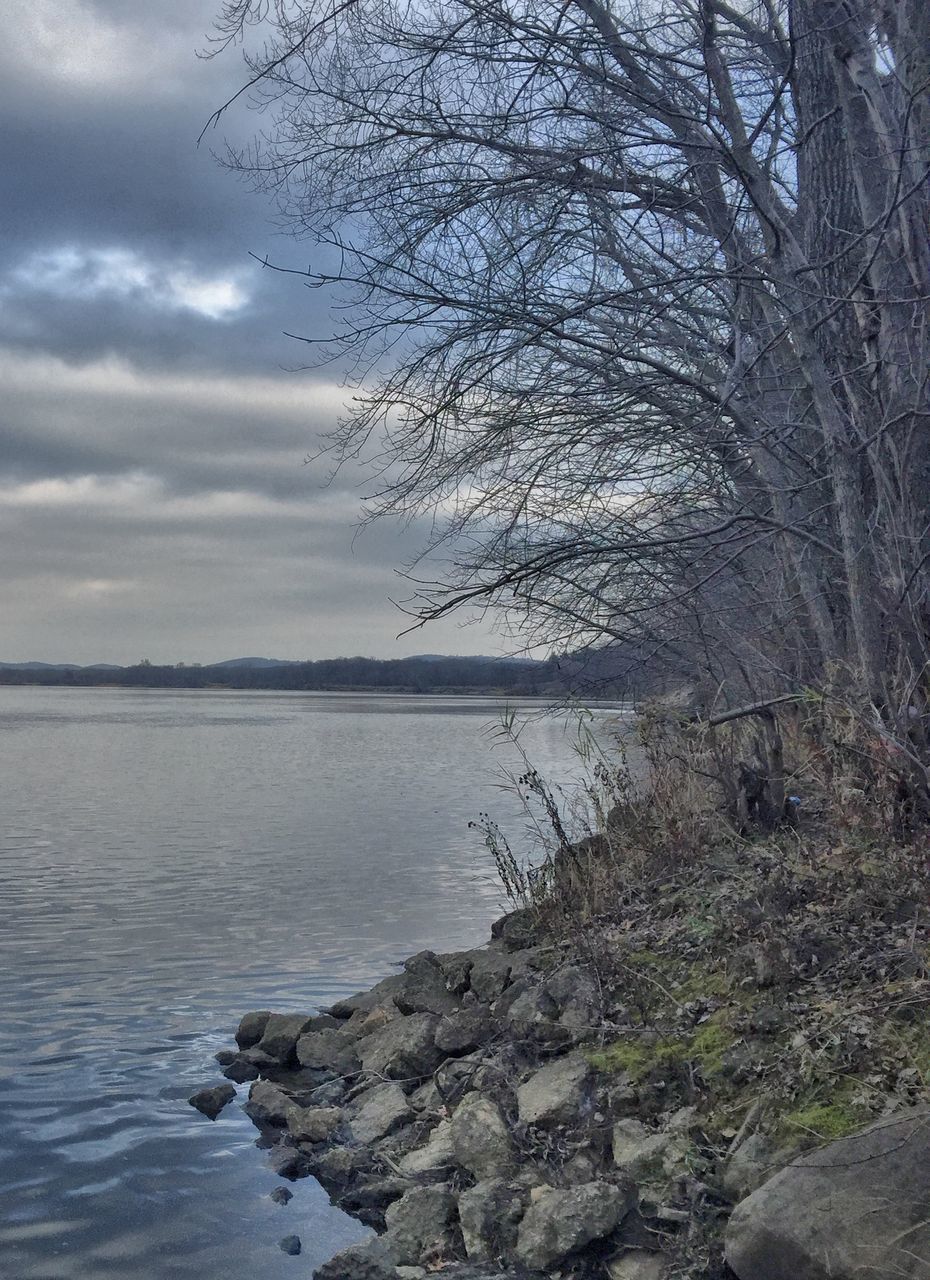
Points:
[(153, 493)]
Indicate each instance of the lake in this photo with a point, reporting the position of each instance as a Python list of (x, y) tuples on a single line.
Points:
[(170, 860)]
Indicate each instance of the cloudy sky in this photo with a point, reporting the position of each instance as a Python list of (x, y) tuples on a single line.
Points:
[(154, 497)]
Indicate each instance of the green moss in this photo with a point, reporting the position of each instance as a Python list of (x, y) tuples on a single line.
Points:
[(825, 1120), (711, 1042), (706, 1048), (700, 983), (630, 1056)]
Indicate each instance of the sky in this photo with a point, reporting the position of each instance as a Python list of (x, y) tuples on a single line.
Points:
[(155, 498)]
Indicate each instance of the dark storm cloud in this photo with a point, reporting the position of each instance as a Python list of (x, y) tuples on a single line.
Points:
[(153, 492)]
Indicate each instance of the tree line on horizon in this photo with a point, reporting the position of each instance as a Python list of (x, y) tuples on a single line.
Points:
[(575, 674)]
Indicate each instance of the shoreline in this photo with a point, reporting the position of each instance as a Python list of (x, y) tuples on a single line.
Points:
[(626, 1098), (454, 1109)]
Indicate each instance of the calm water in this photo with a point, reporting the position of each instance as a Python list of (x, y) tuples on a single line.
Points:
[(167, 861)]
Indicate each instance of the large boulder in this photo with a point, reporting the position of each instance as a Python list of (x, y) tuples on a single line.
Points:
[(423, 1225), (402, 1049), (480, 1137), (557, 1094), (560, 1221), (378, 1112), (854, 1208)]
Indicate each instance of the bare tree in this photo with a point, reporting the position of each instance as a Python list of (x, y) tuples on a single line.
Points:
[(644, 288)]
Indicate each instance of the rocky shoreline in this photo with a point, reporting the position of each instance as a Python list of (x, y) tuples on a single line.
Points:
[(463, 1110)]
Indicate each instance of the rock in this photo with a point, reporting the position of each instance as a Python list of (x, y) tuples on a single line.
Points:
[(532, 1013), (327, 1050), (336, 1166), (378, 1112), (258, 1058), (684, 1120), (411, 1273), (252, 1027), (426, 1098), (488, 1216), (517, 929), (557, 1094), (423, 987), (240, 1071), (464, 1030), (364, 1021), (281, 1033), (404, 1048), (576, 998), (489, 975), (374, 1193), (327, 1095), (587, 1165), (287, 1162), (456, 967), (381, 994), (281, 1195), (638, 1264), (422, 1225), (290, 1244), (647, 1154), (480, 1137), (312, 1124), (268, 1103), (751, 1164), (438, 1156), (526, 992), (853, 1208), (559, 1221), (373, 1260), (210, 1102), (457, 1076), (299, 1082), (225, 1057)]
